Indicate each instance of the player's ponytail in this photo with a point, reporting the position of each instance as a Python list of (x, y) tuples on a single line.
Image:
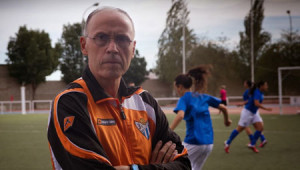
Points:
[(260, 83), (184, 80), (199, 75), (249, 83), (255, 86)]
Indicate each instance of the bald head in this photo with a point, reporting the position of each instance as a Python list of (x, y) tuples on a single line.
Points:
[(105, 9)]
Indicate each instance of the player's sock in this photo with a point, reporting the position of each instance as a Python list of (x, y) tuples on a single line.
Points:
[(233, 134), (251, 137), (256, 136), (262, 137)]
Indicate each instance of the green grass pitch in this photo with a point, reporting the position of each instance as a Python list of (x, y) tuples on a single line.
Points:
[(23, 144)]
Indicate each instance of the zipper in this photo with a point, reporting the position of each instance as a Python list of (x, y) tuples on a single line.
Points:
[(123, 116)]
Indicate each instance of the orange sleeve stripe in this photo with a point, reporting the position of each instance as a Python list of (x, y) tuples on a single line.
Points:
[(53, 167), (67, 144), (139, 91), (184, 152)]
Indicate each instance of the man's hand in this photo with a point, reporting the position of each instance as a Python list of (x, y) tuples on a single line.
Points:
[(163, 154)]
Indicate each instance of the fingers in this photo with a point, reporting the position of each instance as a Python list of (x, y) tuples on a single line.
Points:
[(163, 151), (155, 152), (169, 153), (173, 155)]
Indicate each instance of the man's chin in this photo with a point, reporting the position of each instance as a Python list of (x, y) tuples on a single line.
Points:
[(111, 74)]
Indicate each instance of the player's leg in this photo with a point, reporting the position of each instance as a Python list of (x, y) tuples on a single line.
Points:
[(249, 133), (243, 122), (234, 133), (263, 140), (258, 125), (198, 154)]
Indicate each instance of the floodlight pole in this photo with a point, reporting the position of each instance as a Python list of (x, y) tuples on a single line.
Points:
[(252, 45), (183, 47), (291, 28)]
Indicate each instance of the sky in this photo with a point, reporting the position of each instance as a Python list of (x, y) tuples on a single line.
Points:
[(210, 19)]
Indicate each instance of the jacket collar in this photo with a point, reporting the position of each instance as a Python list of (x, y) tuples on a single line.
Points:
[(98, 92)]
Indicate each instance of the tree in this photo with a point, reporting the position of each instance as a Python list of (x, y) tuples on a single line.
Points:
[(137, 70), (72, 61), (260, 37), (169, 62), (31, 57), (281, 54), (222, 63)]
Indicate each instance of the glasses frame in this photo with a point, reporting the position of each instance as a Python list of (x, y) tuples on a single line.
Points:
[(97, 40)]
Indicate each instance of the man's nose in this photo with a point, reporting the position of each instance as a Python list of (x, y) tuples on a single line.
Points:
[(112, 46)]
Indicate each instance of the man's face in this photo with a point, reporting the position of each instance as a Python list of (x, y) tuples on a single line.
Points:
[(109, 60)]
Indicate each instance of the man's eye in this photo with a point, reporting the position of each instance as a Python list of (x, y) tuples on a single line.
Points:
[(122, 39), (102, 37)]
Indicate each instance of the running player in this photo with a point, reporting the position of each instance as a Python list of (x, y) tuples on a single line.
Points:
[(250, 115), (248, 84), (193, 108)]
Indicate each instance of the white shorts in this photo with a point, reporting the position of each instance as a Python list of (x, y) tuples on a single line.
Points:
[(247, 118), (198, 154)]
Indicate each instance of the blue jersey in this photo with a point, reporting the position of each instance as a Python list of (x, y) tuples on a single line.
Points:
[(257, 95), (199, 130), (246, 95)]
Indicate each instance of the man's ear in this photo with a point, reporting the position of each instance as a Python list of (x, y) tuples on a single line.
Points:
[(133, 52), (83, 45)]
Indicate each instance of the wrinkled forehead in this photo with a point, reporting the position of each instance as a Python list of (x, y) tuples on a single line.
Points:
[(114, 15)]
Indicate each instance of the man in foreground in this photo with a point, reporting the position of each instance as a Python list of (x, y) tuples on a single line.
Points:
[(100, 123)]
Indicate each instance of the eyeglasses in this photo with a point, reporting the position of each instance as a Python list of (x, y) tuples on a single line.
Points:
[(103, 39)]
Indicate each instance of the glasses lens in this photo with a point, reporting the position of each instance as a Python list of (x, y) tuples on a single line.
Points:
[(101, 39), (122, 40)]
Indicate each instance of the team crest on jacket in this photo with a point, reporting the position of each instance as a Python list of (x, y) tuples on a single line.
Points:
[(68, 122), (143, 127)]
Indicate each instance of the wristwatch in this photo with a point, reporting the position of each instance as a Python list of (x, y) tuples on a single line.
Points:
[(134, 167)]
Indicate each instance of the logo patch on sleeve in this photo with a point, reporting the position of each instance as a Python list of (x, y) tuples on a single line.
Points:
[(68, 122), (143, 127), (106, 122)]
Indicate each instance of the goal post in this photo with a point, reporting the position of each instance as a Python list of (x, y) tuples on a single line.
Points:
[(280, 83)]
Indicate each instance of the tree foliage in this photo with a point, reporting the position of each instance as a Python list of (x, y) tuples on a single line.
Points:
[(221, 62), (137, 70), (72, 61), (283, 53), (260, 38), (31, 57), (169, 62)]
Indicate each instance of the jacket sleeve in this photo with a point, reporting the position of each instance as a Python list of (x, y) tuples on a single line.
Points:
[(72, 140), (165, 134)]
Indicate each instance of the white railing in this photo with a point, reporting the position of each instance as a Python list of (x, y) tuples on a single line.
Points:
[(290, 100), (15, 106), (45, 105)]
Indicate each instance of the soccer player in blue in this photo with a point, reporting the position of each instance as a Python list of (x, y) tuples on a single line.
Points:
[(193, 108), (248, 84), (250, 115)]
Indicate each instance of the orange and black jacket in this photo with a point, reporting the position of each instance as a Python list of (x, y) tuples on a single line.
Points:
[(88, 129)]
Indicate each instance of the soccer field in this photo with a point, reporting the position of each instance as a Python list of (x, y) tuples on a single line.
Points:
[(23, 144)]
